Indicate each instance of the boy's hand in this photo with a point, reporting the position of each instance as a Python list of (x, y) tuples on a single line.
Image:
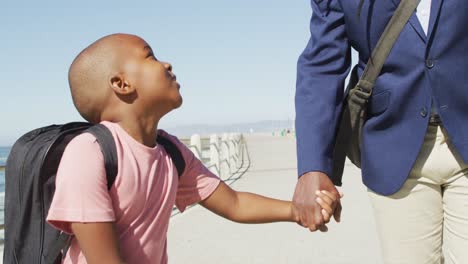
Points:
[(329, 202)]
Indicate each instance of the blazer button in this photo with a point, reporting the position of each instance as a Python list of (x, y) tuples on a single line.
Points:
[(424, 112), (429, 64)]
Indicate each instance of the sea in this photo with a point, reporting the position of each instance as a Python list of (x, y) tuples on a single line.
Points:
[(4, 151)]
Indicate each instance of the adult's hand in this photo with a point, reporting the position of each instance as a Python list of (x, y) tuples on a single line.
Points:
[(305, 205)]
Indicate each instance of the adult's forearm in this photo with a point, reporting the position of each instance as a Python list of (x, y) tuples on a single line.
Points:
[(321, 72)]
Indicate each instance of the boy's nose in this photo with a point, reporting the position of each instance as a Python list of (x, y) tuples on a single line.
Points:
[(168, 66)]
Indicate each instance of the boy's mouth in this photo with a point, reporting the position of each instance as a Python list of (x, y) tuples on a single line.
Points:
[(172, 75), (174, 78)]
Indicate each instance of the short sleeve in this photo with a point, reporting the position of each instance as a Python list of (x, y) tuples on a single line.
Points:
[(81, 193), (197, 182)]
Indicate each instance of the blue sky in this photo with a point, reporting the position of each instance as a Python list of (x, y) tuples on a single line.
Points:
[(235, 60)]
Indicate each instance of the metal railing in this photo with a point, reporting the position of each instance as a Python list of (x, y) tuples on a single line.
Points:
[(228, 158), (221, 155)]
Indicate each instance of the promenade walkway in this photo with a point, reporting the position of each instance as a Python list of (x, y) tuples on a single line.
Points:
[(199, 236)]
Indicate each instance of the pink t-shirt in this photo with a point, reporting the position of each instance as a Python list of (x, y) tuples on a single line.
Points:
[(141, 200)]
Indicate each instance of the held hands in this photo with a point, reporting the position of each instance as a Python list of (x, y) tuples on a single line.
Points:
[(328, 202), (315, 201)]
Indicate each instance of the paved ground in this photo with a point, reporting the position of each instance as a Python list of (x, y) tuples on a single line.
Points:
[(198, 236)]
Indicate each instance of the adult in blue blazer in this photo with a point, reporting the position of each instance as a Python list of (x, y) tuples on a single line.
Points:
[(415, 139)]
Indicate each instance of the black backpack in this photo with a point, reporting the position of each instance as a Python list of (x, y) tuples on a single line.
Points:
[(30, 185)]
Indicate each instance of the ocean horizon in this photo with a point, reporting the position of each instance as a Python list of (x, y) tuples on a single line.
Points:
[(4, 152)]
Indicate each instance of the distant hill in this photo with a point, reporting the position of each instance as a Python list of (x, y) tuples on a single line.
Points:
[(265, 126)]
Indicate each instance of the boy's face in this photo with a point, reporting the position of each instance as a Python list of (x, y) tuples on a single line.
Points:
[(155, 83)]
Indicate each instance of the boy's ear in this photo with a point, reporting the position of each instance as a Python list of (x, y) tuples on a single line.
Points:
[(120, 84)]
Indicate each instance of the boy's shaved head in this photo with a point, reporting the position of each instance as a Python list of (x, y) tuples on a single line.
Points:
[(118, 77), (89, 75)]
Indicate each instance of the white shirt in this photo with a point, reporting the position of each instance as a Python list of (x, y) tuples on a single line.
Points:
[(423, 12)]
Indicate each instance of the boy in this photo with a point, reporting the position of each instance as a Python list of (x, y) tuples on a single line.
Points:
[(117, 81)]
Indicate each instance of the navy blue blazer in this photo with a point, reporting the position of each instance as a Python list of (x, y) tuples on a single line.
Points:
[(418, 68)]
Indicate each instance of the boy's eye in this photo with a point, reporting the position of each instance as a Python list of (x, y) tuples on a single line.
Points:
[(151, 55)]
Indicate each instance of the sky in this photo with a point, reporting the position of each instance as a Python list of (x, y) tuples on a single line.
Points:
[(235, 60)]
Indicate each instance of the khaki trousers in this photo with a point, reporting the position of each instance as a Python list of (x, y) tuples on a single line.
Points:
[(427, 220)]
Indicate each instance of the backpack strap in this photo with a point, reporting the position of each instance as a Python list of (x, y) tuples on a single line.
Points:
[(109, 151), (174, 152)]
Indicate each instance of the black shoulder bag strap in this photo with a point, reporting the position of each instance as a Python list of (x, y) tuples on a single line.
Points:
[(387, 40)]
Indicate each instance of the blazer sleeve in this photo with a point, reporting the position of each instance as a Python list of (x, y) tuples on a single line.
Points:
[(321, 72)]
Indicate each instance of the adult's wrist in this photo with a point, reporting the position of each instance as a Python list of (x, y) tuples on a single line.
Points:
[(313, 174)]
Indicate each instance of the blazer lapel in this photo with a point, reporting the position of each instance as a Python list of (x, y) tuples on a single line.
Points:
[(414, 22)]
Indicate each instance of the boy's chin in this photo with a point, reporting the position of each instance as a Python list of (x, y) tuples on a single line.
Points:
[(178, 103)]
